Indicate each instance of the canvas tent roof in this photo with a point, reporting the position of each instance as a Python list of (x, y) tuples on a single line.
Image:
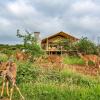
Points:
[(62, 34)]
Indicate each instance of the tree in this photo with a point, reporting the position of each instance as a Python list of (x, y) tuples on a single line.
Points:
[(86, 46), (30, 44)]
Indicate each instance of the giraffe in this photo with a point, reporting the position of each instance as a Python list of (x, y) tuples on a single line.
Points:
[(8, 73)]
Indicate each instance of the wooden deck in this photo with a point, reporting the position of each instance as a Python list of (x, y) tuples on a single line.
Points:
[(61, 52)]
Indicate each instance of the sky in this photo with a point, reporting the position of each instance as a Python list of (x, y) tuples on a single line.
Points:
[(80, 18)]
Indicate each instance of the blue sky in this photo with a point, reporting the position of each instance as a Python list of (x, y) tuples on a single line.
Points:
[(77, 17)]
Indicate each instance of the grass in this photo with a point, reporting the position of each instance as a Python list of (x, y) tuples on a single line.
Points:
[(63, 85), (73, 60), (66, 86), (38, 83)]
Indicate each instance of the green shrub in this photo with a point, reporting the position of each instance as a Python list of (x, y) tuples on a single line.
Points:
[(26, 72), (8, 52), (86, 46), (30, 45), (3, 57)]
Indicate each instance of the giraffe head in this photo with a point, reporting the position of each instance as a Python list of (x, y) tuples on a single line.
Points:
[(3, 68)]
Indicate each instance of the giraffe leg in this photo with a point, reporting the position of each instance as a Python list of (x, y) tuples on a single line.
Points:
[(7, 85), (11, 91), (19, 91), (2, 91)]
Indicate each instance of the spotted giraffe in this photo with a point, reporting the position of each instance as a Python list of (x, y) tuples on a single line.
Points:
[(8, 73)]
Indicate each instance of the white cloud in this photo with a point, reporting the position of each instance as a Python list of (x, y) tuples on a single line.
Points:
[(85, 6), (21, 8), (51, 25), (91, 23), (46, 16), (5, 25), (4, 22)]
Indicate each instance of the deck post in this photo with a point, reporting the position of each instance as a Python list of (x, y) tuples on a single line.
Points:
[(47, 44), (61, 50)]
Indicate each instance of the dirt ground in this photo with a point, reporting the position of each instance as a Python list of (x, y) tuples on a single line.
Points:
[(4, 98)]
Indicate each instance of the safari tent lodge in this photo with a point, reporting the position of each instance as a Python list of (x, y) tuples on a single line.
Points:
[(57, 43)]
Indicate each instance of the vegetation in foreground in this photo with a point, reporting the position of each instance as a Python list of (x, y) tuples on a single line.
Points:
[(41, 84), (37, 83)]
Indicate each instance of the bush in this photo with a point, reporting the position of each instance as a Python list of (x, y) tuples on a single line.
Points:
[(8, 52), (86, 46), (26, 72), (3, 57)]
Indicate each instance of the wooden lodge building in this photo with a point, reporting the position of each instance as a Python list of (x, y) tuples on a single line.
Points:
[(57, 43)]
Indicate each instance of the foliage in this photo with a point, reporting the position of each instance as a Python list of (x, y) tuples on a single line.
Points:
[(41, 91), (55, 85), (30, 44), (73, 60), (65, 42), (86, 46), (3, 57), (37, 83), (8, 52), (98, 49), (9, 49), (26, 72)]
